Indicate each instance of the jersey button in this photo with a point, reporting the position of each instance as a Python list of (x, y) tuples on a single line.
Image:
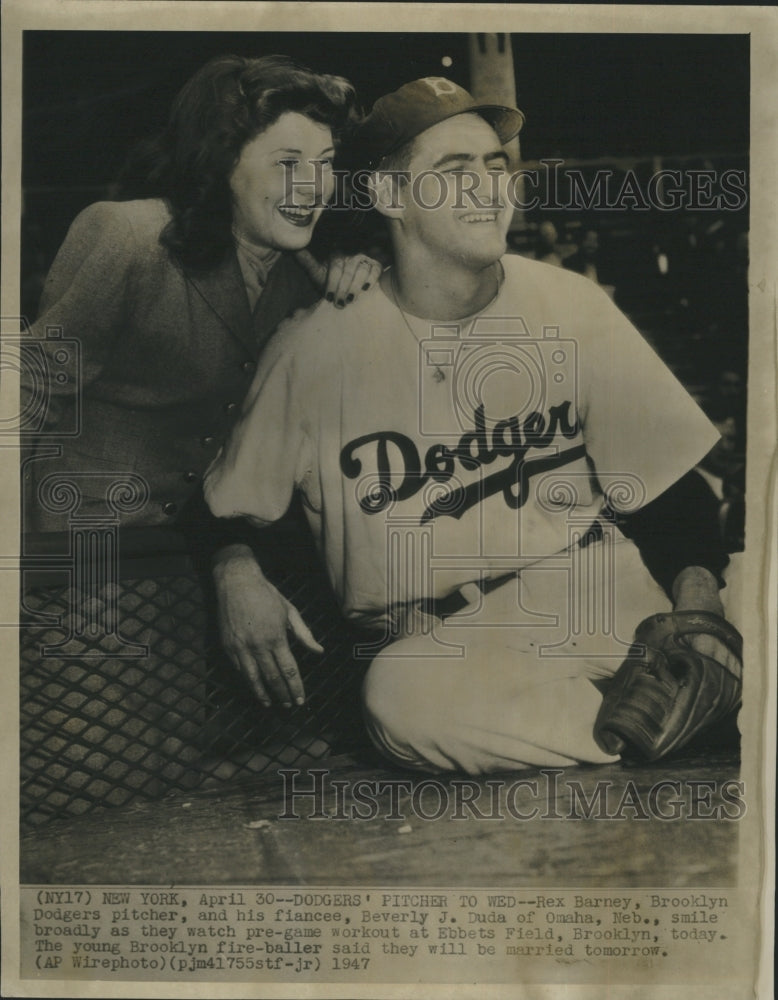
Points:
[(230, 407), (248, 366), (170, 508), (207, 441), (190, 477)]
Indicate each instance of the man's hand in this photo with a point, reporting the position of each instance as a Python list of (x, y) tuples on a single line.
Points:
[(254, 621), (682, 675), (343, 278), (696, 589)]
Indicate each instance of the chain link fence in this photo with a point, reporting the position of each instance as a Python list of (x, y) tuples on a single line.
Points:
[(125, 692)]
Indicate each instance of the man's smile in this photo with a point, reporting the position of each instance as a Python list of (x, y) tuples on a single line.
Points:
[(472, 217)]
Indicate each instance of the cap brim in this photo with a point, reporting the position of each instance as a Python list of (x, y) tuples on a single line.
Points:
[(506, 122)]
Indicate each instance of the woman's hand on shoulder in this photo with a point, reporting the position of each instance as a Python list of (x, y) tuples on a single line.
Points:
[(343, 278)]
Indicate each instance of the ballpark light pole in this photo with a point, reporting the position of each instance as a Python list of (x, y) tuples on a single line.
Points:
[(492, 75), (492, 78)]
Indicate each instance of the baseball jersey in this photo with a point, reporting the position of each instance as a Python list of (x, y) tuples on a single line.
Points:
[(432, 454)]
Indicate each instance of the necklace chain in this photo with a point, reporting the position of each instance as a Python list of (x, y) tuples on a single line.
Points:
[(438, 374)]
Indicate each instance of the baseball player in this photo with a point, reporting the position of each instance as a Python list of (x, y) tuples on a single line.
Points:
[(485, 447)]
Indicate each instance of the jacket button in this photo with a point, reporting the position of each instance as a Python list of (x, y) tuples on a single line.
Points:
[(207, 440), (248, 366), (231, 407), (190, 477), (170, 508)]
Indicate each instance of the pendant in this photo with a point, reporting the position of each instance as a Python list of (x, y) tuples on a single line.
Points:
[(438, 375)]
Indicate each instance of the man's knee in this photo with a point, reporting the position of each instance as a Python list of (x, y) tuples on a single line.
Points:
[(398, 706)]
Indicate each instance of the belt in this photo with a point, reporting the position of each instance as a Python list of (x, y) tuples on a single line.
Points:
[(442, 607)]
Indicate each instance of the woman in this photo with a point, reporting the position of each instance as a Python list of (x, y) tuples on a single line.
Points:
[(171, 298), (151, 322)]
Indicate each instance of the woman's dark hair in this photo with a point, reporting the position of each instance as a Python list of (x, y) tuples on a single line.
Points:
[(224, 105)]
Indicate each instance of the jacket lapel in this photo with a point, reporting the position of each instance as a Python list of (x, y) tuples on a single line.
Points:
[(224, 291), (288, 288)]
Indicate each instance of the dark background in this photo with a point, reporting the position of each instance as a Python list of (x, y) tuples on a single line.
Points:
[(88, 96)]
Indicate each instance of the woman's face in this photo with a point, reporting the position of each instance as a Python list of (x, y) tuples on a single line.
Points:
[(282, 181)]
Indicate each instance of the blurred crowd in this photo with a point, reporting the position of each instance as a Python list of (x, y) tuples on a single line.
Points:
[(683, 280)]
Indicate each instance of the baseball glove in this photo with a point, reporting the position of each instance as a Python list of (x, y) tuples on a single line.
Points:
[(666, 692)]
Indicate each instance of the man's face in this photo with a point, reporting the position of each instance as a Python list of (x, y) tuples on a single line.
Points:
[(455, 203)]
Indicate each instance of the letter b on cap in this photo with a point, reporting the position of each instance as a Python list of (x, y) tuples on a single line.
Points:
[(440, 86)]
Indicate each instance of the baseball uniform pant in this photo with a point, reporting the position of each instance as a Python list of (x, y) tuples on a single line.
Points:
[(510, 681)]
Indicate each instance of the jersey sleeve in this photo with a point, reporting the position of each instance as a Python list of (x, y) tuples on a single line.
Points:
[(679, 529), (268, 452), (642, 429)]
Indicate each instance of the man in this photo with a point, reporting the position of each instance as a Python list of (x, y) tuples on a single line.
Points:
[(584, 260), (546, 248), (464, 440)]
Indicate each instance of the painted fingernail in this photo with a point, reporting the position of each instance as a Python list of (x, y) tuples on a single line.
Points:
[(350, 297), (339, 304), (366, 286), (330, 296)]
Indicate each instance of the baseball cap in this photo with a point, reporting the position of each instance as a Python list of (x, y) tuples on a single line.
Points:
[(399, 117)]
